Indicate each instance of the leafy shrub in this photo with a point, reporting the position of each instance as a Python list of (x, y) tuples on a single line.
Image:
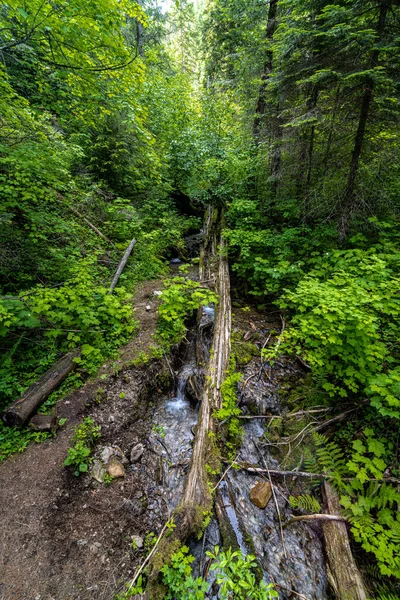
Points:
[(371, 506), (180, 298), (237, 578), (177, 576), (84, 438), (345, 316), (14, 440)]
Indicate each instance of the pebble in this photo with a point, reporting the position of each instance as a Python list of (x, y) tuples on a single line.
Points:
[(137, 541), (137, 452), (115, 467)]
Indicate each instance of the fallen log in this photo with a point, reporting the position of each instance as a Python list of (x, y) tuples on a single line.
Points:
[(22, 409), (121, 266), (197, 499), (344, 575), (85, 219)]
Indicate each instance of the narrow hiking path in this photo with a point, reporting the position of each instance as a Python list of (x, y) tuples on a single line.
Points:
[(61, 538)]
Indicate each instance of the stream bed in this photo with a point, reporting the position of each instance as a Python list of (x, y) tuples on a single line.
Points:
[(297, 564)]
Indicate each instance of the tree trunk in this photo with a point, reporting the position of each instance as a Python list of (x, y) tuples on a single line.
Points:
[(121, 266), (348, 196), (344, 575), (22, 409), (331, 130), (261, 108), (306, 152)]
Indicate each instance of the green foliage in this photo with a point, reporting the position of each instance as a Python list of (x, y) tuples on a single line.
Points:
[(236, 576), (132, 590), (79, 454), (347, 311), (370, 503), (14, 440), (177, 576), (230, 409), (180, 298), (306, 502)]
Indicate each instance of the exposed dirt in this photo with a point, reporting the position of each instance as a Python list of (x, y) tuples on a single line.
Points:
[(64, 537)]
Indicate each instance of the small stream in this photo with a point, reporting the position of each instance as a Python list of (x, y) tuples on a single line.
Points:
[(297, 567)]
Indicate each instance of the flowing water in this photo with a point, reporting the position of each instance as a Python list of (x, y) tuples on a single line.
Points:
[(296, 563)]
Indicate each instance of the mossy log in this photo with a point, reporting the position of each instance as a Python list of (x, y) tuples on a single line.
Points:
[(344, 576), (197, 498), (22, 409)]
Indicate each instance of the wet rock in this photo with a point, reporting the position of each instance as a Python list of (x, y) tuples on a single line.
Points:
[(43, 423), (98, 471), (261, 493), (115, 468), (137, 452), (109, 451)]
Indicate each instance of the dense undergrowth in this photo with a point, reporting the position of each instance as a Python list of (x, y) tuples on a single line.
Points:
[(116, 116)]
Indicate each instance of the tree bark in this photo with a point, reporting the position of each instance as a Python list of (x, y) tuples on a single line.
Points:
[(22, 409), (121, 266), (345, 577), (348, 196), (261, 108)]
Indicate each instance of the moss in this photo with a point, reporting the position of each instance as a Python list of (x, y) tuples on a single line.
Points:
[(100, 395), (244, 352), (163, 378)]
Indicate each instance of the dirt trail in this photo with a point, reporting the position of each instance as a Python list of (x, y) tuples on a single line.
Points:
[(63, 537)]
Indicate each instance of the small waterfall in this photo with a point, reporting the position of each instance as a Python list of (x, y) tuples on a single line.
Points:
[(179, 402)]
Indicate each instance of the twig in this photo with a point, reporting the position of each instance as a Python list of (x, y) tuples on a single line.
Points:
[(318, 517), (225, 472), (275, 500), (292, 591), (144, 563), (258, 470), (169, 366)]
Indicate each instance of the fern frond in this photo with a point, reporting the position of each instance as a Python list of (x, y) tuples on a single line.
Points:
[(306, 502)]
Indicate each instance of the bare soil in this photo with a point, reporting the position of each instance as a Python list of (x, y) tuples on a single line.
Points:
[(64, 537)]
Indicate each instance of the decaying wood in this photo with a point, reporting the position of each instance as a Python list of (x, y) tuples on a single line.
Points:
[(196, 493), (345, 578), (121, 266), (22, 409), (249, 468), (317, 517), (197, 499), (85, 219)]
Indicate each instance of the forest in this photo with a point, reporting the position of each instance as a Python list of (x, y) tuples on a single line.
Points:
[(247, 151)]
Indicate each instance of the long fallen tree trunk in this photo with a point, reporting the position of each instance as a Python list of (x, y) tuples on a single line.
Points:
[(197, 498), (344, 576), (196, 493), (22, 409)]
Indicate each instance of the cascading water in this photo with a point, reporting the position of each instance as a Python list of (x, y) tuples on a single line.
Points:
[(174, 420)]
